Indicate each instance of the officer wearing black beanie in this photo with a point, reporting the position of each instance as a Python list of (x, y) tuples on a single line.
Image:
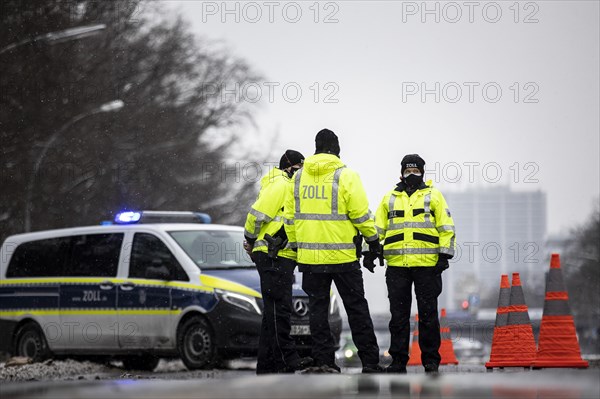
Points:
[(290, 162), (266, 243), (324, 219), (412, 181), (415, 223), (326, 142)]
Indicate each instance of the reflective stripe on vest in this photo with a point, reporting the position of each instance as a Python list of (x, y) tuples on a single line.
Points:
[(411, 251), (372, 238), (325, 246), (409, 225), (334, 215), (362, 219), (260, 219), (427, 224), (264, 243), (427, 207)]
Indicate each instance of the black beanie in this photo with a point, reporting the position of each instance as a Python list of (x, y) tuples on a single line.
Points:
[(290, 158), (413, 161), (326, 141)]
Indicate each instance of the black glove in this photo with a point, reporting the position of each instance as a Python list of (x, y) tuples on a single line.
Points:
[(358, 240), (376, 250), (442, 264), (369, 261), (249, 240), (249, 246)]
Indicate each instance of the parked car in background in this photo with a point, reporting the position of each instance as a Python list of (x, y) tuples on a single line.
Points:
[(469, 350), (347, 355)]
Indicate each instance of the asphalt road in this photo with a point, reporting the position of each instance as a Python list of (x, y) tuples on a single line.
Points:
[(453, 382)]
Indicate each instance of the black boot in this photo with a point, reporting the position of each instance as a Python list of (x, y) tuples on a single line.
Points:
[(322, 368), (396, 368), (431, 368), (300, 364)]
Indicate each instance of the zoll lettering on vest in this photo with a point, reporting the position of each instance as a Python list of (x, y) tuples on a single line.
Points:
[(316, 192)]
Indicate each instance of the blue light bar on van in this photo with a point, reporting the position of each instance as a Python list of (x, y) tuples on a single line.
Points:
[(141, 217), (128, 217)]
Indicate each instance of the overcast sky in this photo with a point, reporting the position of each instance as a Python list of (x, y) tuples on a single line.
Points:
[(511, 93), (377, 58)]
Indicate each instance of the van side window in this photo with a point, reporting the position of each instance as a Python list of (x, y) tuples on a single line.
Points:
[(94, 255), (149, 251), (42, 258)]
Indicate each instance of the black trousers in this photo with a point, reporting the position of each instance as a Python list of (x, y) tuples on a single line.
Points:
[(351, 289), (428, 286), (276, 349)]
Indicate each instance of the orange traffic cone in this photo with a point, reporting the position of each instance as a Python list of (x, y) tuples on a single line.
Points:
[(515, 345), (558, 346), (415, 349), (500, 338), (446, 347)]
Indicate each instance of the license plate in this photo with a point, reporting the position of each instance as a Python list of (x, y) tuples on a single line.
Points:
[(300, 330)]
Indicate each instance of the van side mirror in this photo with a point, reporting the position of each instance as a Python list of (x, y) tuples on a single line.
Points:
[(158, 273)]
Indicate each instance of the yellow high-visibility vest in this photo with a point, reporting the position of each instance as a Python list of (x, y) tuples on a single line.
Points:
[(266, 215), (415, 229), (328, 208)]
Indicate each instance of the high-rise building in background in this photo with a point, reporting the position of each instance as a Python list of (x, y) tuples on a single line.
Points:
[(498, 231)]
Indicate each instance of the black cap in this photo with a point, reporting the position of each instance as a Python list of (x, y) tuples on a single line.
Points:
[(413, 161), (290, 158), (326, 141)]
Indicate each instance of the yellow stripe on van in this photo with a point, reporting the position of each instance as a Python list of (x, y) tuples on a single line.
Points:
[(176, 284), (227, 285), (95, 280), (132, 312), (55, 280), (17, 313)]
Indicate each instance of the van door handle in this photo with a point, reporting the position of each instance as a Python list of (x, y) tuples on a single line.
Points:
[(127, 286), (106, 285)]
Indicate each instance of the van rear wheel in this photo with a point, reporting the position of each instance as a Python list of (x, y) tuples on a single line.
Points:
[(30, 342), (195, 343)]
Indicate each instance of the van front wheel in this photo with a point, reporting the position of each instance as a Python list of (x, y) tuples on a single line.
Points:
[(195, 344), (30, 342)]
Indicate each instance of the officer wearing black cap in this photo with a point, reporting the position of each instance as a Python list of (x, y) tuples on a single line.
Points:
[(267, 244), (323, 220), (418, 232)]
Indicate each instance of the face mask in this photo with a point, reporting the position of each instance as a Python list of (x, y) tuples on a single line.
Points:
[(290, 172), (413, 180)]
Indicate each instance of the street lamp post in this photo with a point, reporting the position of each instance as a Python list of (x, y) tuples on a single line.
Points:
[(108, 107), (58, 37)]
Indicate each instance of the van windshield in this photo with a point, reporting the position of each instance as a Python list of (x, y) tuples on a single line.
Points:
[(216, 249)]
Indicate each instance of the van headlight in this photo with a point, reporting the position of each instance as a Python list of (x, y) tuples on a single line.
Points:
[(333, 305), (242, 301)]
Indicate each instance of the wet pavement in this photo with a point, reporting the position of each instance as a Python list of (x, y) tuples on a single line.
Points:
[(470, 382)]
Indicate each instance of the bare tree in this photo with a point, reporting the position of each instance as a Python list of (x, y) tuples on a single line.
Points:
[(154, 153), (581, 266)]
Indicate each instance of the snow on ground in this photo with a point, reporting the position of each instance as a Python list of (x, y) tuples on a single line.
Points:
[(65, 370)]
